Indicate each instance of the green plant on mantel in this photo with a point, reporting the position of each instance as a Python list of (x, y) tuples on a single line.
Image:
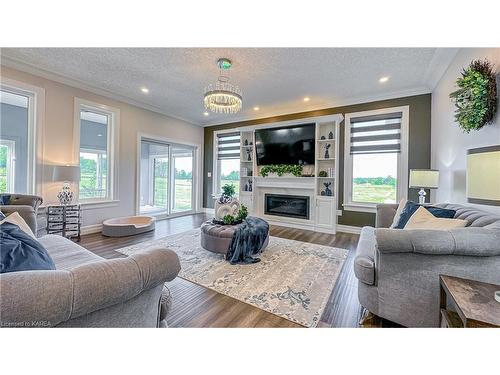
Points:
[(281, 169), (476, 97)]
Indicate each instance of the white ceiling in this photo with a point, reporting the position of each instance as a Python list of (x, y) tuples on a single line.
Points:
[(274, 79)]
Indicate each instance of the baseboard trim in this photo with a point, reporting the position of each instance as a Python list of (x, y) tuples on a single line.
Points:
[(89, 229), (208, 210), (348, 229)]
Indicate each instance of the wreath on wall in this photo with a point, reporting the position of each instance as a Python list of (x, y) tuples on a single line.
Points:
[(476, 97)]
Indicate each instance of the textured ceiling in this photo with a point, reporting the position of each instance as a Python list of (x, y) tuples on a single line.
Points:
[(274, 79)]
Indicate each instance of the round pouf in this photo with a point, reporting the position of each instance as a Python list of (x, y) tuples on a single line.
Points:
[(217, 238)]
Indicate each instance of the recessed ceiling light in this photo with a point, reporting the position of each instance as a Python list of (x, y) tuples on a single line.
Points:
[(145, 90), (256, 108), (383, 79), (205, 113), (306, 99), (99, 135)]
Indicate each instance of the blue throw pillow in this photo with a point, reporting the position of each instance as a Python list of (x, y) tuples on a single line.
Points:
[(21, 252), (411, 207), (4, 199)]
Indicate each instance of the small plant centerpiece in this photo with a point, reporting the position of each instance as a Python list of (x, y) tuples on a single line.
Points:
[(226, 204), (476, 97), (235, 219), (228, 192), (281, 169)]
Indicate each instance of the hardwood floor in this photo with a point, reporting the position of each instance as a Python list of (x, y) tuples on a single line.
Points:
[(197, 306)]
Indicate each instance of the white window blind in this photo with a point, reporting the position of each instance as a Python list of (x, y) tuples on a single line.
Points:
[(228, 146), (376, 134)]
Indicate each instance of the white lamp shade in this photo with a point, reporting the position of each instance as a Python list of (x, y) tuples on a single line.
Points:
[(70, 173), (424, 178), (483, 175)]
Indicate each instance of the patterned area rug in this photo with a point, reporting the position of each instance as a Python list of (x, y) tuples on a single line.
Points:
[(293, 280)]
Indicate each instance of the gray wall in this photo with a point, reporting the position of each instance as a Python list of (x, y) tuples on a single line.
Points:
[(14, 126), (419, 152)]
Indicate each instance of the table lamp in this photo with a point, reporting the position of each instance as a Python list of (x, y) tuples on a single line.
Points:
[(423, 179), (483, 175), (66, 174)]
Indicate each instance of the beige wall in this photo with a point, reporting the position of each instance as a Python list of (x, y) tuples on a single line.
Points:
[(449, 142), (58, 139)]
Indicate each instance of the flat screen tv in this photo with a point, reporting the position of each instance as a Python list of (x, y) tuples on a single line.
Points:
[(285, 145)]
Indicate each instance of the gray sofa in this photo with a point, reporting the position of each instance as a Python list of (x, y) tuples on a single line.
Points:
[(398, 270), (88, 291), (25, 205)]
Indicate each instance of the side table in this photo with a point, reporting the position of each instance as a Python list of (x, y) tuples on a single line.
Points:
[(473, 303), (65, 220)]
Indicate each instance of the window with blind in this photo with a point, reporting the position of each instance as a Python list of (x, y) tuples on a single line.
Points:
[(227, 161), (375, 158)]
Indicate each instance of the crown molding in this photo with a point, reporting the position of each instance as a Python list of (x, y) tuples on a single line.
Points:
[(439, 64), (343, 103), (36, 71)]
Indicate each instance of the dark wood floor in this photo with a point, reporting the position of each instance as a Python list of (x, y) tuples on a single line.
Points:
[(197, 306)]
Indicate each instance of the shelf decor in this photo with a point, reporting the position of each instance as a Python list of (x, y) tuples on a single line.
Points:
[(476, 97), (281, 169)]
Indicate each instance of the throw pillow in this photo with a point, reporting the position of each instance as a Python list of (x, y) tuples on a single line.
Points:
[(4, 199), (400, 209), (21, 252), (411, 207), (423, 219), (16, 219)]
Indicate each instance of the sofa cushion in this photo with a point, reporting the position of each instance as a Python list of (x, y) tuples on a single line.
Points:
[(67, 254), (21, 252), (364, 263)]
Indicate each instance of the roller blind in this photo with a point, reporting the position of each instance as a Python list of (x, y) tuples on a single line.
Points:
[(228, 146), (376, 134)]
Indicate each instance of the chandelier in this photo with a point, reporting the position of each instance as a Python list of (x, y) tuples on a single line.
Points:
[(223, 97)]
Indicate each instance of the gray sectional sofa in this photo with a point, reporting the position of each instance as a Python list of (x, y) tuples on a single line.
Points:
[(398, 270), (88, 291)]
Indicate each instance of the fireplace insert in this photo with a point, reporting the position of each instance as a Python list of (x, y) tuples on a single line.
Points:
[(296, 206)]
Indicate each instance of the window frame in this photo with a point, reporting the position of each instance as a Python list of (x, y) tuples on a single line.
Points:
[(197, 170), (402, 177), (216, 186), (112, 148), (36, 121)]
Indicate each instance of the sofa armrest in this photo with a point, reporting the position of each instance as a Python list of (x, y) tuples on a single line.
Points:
[(460, 241), (51, 297), (385, 215)]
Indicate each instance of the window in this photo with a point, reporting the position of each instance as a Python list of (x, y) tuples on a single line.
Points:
[(97, 135), (376, 158), (166, 177), (227, 167), (17, 141)]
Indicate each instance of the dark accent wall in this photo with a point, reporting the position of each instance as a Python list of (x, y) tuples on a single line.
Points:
[(419, 152)]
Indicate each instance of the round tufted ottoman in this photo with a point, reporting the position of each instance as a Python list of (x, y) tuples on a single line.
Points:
[(217, 238)]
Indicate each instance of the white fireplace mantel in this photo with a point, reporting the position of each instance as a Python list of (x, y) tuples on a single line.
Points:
[(285, 182)]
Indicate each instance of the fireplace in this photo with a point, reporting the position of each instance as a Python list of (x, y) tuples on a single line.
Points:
[(296, 206)]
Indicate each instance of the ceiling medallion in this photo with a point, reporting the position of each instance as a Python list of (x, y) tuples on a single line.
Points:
[(223, 97)]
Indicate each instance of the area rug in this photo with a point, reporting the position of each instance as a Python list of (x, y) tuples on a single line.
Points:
[(293, 279)]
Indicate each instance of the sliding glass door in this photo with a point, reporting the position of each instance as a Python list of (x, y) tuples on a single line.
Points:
[(166, 178), (182, 159)]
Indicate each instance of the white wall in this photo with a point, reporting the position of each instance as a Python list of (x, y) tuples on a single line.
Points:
[(449, 143), (58, 140)]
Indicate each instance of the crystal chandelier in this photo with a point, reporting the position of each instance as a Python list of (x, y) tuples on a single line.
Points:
[(223, 97)]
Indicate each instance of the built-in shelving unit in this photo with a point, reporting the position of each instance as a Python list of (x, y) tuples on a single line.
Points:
[(323, 204), (247, 158)]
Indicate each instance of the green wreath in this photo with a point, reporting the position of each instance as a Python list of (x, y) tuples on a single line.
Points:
[(476, 98)]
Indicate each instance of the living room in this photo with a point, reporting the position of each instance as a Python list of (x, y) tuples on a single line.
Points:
[(182, 185)]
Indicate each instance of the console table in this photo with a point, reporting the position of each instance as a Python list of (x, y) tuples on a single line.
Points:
[(473, 301), (65, 220)]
